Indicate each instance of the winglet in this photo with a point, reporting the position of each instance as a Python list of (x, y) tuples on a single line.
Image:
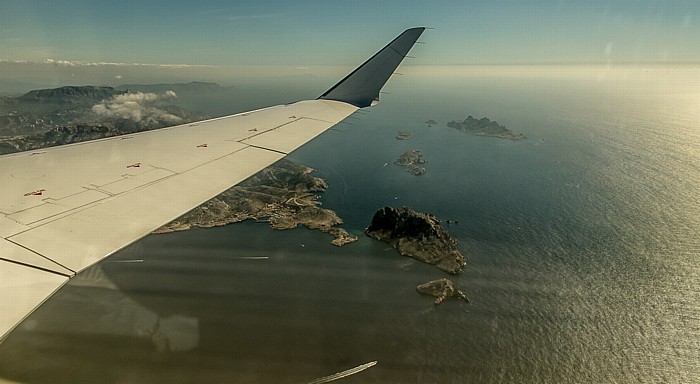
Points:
[(361, 87)]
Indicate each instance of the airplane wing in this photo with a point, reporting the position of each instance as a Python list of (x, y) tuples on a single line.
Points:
[(65, 208)]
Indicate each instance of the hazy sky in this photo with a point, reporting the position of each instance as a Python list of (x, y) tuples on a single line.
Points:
[(279, 34), (230, 32)]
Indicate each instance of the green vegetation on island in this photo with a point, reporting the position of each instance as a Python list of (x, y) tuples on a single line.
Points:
[(485, 127), (417, 235)]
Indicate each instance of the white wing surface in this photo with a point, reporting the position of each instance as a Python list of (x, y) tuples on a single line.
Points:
[(63, 209)]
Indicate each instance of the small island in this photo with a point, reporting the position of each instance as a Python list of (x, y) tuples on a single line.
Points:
[(417, 235), (431, 122), (485, 127), (409, 159), (441, 289), (283, 195), (404, 135)]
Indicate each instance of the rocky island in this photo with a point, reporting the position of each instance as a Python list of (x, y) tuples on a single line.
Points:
[(409, 159), (283, 195), (442, 289), (404, 135), (485, 127), (417, 235), (431, 122)]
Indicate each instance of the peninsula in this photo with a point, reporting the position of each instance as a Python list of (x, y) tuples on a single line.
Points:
[(283, 195), (409, 159), (485, 127), (417, 235)]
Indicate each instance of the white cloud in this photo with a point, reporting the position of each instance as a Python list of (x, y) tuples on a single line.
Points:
[(75, 63), (139, 107)]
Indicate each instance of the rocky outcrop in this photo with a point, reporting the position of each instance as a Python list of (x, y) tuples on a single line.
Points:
[(404, 135), (409, 159), (485, 127), (442, 289), (418, 235)]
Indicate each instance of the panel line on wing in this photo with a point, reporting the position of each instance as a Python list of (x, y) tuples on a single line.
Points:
[(266, 131), (74, 210), (9, 240), (267, 149), (37, 267)]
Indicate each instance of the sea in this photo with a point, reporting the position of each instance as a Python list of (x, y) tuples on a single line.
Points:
[(582, 243)]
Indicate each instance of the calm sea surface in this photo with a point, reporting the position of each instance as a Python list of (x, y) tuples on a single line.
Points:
[(583, 244)]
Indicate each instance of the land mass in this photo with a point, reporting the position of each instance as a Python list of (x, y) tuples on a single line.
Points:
[(404, 135), (49, 117), (283, 195), (441, 289), (485, 127), (409, 159), (417, 235)]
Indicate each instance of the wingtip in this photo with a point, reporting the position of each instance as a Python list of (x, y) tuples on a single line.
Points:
[(361, 87)]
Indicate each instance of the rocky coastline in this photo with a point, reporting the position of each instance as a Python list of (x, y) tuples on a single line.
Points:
[(283, 195)]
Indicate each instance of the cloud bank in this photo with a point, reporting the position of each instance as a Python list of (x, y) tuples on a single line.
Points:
[(140, 107)]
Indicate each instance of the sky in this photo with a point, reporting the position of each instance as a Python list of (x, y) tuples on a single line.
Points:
[(270, 37)]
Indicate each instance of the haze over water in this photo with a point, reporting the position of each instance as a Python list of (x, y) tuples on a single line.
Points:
[(582, 243)]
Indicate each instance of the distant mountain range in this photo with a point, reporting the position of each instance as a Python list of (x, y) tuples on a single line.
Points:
[(70, 94), (63, 115)]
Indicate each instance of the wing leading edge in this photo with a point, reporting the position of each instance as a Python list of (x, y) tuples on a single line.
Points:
[(65, 208)]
